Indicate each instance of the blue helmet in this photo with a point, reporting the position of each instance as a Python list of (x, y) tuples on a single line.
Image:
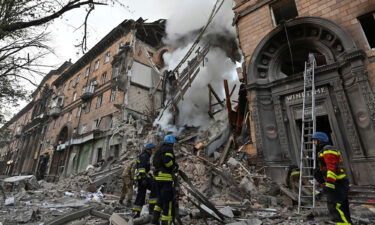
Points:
[(323, 137), (169, 139), (149, 145)]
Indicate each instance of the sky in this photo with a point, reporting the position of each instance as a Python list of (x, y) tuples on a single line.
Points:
[(64, 33)]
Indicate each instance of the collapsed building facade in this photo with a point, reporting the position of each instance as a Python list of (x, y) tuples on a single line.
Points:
[(76, 112), (276, 38)]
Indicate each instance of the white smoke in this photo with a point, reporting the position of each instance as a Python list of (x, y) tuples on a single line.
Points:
[(182, 28)]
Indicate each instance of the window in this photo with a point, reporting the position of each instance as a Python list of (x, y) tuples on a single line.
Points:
[(95, 123), (99, 101), (87, 71), (368, 26), (120, 46), (92, 86), (115, 72), (83, 128), (283, 10), (77, 80), (113, 95), (74, 96), (103, 78), (79, 109), (107, 57), (87, 107), (99, 155), (150, 53), (96, 65), (71, 84), (70, 116)]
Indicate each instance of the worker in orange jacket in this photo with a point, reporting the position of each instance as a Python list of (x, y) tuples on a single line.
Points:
[(331, 173)]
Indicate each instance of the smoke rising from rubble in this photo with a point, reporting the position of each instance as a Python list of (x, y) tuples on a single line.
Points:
[(182, 28)]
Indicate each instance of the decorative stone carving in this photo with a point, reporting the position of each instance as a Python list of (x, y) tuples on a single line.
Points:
[(366, 91), (347, 117), (281, 127)]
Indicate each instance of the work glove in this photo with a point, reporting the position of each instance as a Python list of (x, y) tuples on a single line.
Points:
[(329, 188)]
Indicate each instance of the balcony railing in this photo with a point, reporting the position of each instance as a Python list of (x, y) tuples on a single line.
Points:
[(87, 93), (55, 111)]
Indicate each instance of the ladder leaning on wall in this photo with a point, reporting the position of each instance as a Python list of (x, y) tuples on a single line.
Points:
[(306, 193)]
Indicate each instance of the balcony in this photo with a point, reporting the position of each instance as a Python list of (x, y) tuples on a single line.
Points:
[(87, 94), (55, 111)]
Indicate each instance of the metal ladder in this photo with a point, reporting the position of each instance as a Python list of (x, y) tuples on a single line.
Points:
[(306, 194)]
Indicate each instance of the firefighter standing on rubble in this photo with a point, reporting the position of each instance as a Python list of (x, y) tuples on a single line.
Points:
[(128, 178), (331, 173), (145, 181), (165, 167)]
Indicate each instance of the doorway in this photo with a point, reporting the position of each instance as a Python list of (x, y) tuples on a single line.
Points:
[(322, 125)]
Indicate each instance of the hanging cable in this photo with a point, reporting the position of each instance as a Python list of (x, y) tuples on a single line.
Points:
[(290, 48)]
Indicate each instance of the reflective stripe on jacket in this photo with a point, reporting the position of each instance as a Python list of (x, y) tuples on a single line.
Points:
[(331, 164)]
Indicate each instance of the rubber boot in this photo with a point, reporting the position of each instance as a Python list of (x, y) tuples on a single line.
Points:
[(156, 217)]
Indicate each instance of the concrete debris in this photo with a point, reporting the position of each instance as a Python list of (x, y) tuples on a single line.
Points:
[(227, 211), (220, 189)]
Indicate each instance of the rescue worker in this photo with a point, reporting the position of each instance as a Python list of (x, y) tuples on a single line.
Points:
[(128, 179), (332, 175), (145, 181), (165, 167)]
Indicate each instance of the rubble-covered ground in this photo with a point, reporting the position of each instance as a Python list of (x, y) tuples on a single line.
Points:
[(239, 190)]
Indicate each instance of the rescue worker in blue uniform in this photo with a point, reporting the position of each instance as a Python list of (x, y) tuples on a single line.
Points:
[(331, 174), (165, 167), (145, 181)]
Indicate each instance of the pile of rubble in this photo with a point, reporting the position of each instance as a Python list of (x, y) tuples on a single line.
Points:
[(220, 189)]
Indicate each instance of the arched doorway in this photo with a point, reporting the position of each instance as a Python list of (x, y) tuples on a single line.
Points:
[(60, 153), (345, 101)]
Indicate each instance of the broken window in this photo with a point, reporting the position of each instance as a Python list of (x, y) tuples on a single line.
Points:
[(99, 101), (87, 71), (96, 65), (107, 57), (368, 26), (103, 78), (283, 10), (113, 95)]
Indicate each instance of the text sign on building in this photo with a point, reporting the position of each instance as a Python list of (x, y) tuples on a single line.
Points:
[(299, 95)]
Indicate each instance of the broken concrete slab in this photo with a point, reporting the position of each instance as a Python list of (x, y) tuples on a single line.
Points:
[(70, 216), (232, 161), (117, 219), (227, 211), (247, 222)]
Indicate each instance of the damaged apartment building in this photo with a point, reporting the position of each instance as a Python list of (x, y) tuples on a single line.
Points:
[(276, 37), (76, 112)]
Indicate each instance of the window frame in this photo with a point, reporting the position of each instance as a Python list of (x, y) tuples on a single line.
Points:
[(107, 57), (99, 101), (96, 65)]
